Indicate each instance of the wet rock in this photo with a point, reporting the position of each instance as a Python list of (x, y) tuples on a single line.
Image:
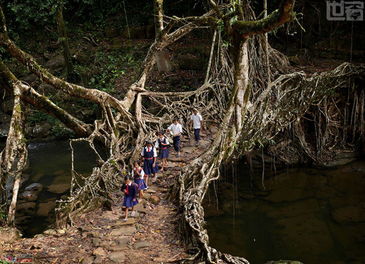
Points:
[(28, 196), (141, 244), (27, 206), (155, 199), (9, 234), (35, 187), (118, 256), (59, 188), (45, 208), (99, 252)]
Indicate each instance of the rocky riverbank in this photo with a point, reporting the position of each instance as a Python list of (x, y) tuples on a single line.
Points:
[(102, 236)]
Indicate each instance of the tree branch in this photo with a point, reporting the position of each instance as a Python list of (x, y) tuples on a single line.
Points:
[(41, 102), (277, 18)]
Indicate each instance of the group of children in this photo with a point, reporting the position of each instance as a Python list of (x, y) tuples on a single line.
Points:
[(135, 184)]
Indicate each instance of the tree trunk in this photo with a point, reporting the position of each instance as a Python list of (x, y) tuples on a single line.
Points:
[(14, 156), (62, 34), (162, 56)]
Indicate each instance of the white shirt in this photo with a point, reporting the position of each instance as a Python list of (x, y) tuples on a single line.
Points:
[(175, 129), (149, 149), (162, 140), (141, 172), (196, 120)]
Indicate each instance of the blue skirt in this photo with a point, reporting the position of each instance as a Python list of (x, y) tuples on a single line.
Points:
[(128, 202), (148, 167), (141, 184), (164, 153)]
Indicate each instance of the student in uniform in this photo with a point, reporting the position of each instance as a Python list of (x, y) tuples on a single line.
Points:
[(163, 144), (196, 119), (149, 155), (176, 130), (130, 190), (138, 175)]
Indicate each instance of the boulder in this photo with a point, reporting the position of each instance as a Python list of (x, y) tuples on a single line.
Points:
[(35, 187), (9, 234), (55, 63), (28, 196)]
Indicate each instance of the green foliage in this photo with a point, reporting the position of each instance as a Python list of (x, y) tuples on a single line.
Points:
[(3, 217), (111, 66), (38, 117), (28, 12), (59, 131)]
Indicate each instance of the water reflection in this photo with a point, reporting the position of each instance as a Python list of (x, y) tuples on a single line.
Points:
[(311, 215), (50, 165)]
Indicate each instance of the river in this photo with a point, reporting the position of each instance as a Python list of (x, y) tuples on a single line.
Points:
[(50, 165), (312, 215)]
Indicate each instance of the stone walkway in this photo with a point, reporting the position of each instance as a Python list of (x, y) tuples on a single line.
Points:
[(103, 237)]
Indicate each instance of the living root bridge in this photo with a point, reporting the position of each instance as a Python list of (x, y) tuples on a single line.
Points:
[(250, 112)]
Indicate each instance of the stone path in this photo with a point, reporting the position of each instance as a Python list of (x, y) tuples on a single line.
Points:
[(103, 237), (139, 239)]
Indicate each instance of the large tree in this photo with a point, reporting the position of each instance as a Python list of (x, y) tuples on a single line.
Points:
[(235, 93)]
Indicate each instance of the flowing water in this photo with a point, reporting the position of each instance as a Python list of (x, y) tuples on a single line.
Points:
[(50, 165), (312, 215)]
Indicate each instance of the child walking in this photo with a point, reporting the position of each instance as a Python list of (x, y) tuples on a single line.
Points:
[(149, 155), (196, 119), (176, 130), (138, 175), (130, 190), (163, 144)]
